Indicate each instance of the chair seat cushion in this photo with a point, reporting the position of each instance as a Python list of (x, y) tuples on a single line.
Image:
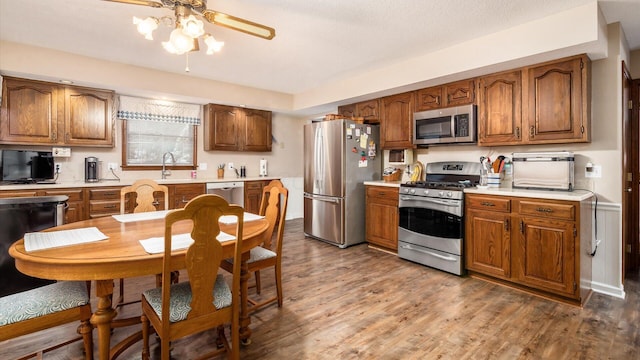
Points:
[(258, 253), (181, 298), (42, 301)]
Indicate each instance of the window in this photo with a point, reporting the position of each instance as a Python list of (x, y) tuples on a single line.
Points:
[(153, 128)]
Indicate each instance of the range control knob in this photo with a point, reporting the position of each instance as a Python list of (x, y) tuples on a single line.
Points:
[(449, 194), (412, 191), (441, 193), (426, 192)]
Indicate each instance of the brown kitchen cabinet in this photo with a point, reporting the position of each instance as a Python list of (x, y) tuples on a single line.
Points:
[(104, 201), (447, 95), (500, 108), (368, 110), (75, 210), (181, 194), (381, 216), (557, 106), (537, 245), (253, 195), (236, 129), (396, 121), (42, 113), (542, 104)]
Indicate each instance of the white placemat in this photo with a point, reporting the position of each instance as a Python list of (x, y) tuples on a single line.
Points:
[(151, 215), (155, 245), (52, 239), (231, 219)]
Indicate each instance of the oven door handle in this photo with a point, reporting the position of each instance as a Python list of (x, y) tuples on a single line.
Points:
[(453, 203), (446, 258)]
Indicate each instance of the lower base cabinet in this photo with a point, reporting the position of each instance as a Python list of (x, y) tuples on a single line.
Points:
[(382, 217), (534, 244)]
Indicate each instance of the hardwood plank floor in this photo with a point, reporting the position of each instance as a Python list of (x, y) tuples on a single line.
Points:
[(360, 303)]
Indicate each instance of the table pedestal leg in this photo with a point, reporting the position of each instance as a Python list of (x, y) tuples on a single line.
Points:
[(102, 317), (245, 320)]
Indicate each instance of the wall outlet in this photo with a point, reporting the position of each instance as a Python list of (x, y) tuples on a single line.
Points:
[(61, 152), (230, 166), (58, 169), (594, 171), (112, 166), (202, 166)]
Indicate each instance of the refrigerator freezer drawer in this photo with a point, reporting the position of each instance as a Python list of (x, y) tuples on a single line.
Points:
[(323, 218)]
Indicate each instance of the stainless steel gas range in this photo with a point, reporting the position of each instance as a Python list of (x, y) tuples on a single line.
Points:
[(431, 224)]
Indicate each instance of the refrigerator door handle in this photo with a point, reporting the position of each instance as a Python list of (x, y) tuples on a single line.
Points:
[(319, 158), (322, 198)]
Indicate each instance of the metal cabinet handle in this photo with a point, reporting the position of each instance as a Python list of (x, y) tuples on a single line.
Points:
[(532, 131), (486, 203), (506, 224), (517, 132), (544, 210), (110, 206)]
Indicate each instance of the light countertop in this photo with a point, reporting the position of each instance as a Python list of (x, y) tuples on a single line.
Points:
[(576, 195), (125, 182)]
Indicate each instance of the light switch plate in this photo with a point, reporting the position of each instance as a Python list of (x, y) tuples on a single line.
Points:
[(202, 166)]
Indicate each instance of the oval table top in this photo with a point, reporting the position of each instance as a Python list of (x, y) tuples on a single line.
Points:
[(119, 256)]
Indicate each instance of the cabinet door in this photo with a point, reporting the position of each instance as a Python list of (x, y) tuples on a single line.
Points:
[(88, 117), (181, 194), (460, 93), (500, 109), (430, 98), (545, 253), (347, 110), (382, 217), (221, 128), (253, 195), (257, 130), (29, 112), (396, 121), (488, 243), (557, 105), (369, 110)]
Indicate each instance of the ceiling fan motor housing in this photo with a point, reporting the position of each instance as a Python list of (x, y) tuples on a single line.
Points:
[(196, 5)]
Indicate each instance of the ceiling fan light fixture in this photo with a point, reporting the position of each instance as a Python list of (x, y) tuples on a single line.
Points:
[(213, 45), (192, 27), (146, 26), (178, 43)]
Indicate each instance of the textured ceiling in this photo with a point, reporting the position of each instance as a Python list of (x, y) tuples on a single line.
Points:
[(316, 41)]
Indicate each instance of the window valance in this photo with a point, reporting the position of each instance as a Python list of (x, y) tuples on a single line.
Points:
[(135, 108)]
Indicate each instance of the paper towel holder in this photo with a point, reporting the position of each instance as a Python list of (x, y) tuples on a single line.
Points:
[(263, 167)]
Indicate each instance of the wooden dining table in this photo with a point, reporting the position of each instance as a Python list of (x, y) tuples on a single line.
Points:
[(122, 256)]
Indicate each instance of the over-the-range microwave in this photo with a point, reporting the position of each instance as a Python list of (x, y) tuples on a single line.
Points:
[(454, 125)]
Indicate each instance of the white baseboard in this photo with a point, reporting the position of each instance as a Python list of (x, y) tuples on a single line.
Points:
[(608, 290)]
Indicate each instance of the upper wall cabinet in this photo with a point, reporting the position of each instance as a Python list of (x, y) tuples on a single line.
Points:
[(396, 121), (452, 94), (500, 108), (236, 129), (368, 110), (542, 104), (42, 113)]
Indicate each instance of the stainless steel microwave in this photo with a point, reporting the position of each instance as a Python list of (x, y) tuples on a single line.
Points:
[(454, 125)]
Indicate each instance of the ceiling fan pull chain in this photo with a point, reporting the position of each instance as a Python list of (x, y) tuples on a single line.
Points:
[(186, 69)]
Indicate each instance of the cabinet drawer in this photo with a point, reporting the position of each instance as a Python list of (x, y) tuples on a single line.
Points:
[(564, 211), (382, 192), (18, 193), (104, 208), (104, 194), (73, 194), (492, 203)]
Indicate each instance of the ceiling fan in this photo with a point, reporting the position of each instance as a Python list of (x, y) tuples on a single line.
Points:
[(199, 7)]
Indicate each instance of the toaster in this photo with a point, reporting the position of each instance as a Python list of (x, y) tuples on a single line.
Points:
[(543, 170)]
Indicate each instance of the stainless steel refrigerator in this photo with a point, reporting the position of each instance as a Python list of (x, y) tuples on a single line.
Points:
[(339, 155)]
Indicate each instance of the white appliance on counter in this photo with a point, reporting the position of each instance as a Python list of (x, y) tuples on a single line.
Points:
[(232, 191), (543, 170)]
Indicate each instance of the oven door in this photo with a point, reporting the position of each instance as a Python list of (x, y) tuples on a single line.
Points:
[(433, 223)]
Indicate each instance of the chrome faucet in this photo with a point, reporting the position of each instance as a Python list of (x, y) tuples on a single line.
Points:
[(167, 172)]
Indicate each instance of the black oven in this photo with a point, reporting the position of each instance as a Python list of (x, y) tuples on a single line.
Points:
[(431, 222)]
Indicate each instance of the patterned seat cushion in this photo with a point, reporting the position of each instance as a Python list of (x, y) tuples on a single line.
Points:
[(42, 301), (181, 298), (258, 253)]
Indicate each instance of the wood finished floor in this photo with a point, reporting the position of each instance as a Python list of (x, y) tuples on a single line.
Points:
[(359, 303)]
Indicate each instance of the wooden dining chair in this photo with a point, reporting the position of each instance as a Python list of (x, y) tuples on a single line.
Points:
[(144, 191), (46, 307), (273, 207), (205, 301)]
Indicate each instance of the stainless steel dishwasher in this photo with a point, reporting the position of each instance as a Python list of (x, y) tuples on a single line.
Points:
[(232, 191)]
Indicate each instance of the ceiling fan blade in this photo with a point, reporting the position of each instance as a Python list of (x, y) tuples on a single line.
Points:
[(139, 2), (235, 23)]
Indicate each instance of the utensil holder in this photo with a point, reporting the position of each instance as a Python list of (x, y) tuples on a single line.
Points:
[(220, 173)]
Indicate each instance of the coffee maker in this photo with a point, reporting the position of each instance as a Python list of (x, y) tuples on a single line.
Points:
[(91, 169)]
